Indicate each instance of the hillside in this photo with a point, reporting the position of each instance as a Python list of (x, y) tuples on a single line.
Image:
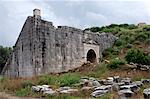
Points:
[(128, 58), (129, 36)]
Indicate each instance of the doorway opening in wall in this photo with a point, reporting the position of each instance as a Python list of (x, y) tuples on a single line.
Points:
[(91, 56)]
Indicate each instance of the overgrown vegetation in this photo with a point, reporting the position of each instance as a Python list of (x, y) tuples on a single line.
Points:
[(129, 47), (98, 71), (63, 80), (129, 37), (4, 54), (115, 63), (137, 56)]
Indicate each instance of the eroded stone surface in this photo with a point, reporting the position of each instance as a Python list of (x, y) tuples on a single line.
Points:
[(42, 48)]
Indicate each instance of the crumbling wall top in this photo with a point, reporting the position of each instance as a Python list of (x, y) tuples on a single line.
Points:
[(37, 13)]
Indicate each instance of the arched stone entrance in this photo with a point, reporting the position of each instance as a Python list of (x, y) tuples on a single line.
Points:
[(91, 56), (91, 53)]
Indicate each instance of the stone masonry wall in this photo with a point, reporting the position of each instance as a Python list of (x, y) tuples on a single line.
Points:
[(41, 48)]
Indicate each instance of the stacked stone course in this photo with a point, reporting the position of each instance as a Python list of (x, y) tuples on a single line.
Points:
[(42, 48)]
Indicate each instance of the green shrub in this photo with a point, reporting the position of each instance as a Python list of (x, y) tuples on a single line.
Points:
[(47, 79), (68, 79), (148, 41), (23, 92), (27, 83), (115, 63), (141, 37), (132, 26), (137, 56), (119, 42), (111, 52)]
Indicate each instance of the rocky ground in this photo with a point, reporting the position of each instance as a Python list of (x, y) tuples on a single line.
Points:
[(129, 82), (123, 87)]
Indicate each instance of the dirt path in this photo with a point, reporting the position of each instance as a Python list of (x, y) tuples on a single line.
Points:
[(4, 95)]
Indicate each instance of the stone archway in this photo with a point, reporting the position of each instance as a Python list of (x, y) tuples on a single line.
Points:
[(91, 56), (91, 53)]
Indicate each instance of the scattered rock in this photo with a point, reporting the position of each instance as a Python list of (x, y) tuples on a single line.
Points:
[(106, 61), (50, 92), (92, 78), (109, 81), (36, 89), (133, 65), (99, 93), (63, 88), (132, 87), (144, 67), (108, 87), (84, 80), (43, 89), (145, 81), (95, 83), (117, 79), (102, 81), (138, 83), (66, 90), (124, 86), (116, 86), (127, 81), (146, 93), (125, 93)]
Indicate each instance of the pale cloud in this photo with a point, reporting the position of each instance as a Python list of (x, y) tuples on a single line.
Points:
[(76, 13)]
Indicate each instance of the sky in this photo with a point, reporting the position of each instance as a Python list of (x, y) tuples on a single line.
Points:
[(75, 13)]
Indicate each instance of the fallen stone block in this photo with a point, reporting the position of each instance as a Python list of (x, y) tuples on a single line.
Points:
[(36, 88), (99, 93), (117, 79), (95, 83), (145, 81), (127, 81), (132, 87), (66, 90), (108, 87), (145, 67), (50, 92), (138, 83), (125, 93), (146, 93)]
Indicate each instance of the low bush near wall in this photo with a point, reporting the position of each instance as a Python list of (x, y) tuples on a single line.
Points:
[(63, 80), (68, 79), (115, 63)]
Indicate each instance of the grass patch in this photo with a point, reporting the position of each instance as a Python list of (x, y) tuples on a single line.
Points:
[(23, 92), (144, 87), (1, 78), (62, 96), (47, 79), (98, 71), (138, 78), (106, 96), (10, 84), (68, 79)]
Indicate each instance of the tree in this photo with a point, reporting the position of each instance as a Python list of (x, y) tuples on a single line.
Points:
[(4, 54)]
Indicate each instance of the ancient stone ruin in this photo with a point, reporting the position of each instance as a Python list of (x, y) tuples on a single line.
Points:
[(42, 48)]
